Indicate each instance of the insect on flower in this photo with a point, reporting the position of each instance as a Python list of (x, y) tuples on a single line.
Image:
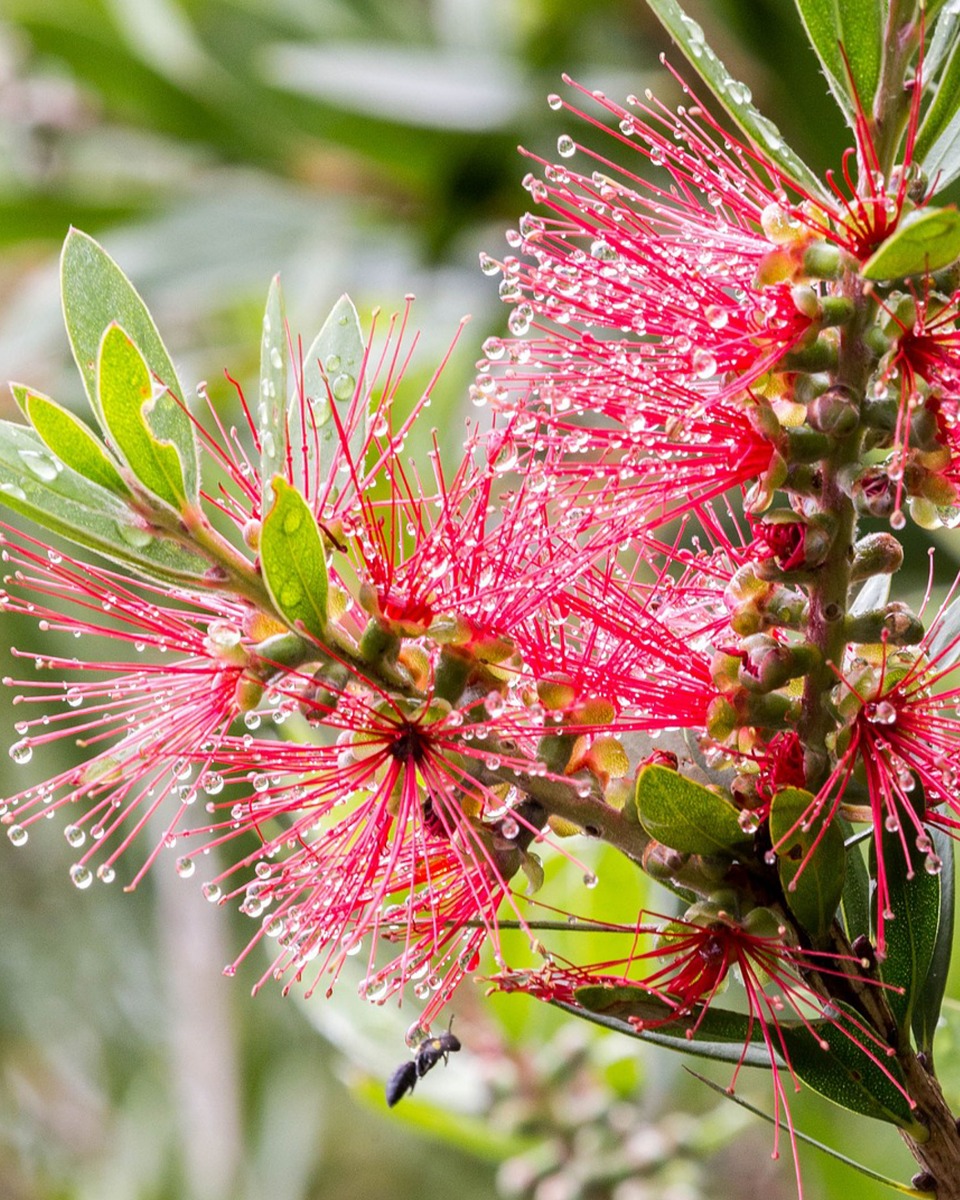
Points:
[(430, 1051)]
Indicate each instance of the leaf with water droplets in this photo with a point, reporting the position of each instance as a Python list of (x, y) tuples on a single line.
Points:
[(734, 96), (924, 241), (126, 398), (685, 815), (271, 407), (851, 1075), (926, 1014), (937, 148), (943, 647), (96, 294), (69, 439), (332, 367), (58, 498), (916, 896), (810, 859), (292, 560), (857, 27)]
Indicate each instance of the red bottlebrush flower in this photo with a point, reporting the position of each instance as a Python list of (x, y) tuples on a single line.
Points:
[(924, 367), (385, 836), (646, 311), (897, 756), (700, 953), (155, 717)]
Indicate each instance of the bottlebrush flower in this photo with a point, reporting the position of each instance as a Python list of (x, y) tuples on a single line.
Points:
[(157, 712), (700, 954), (896, 758), (646, 313), (383, 836)]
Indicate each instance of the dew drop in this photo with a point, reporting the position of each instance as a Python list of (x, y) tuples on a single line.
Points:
[(566, 146), (81, 876), (18, 835), (21, 752), (185, 867)]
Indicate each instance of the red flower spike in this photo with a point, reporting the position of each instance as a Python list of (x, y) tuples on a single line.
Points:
[(698, 957), (194, 658)]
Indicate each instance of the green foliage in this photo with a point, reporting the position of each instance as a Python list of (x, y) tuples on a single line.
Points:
[(293, 561), (126, 402), (734, 96), (913, 935), (57, 498), (272, 401), (857, 26), (69, 439), (924, 241), (96, 294), (686, 815), (332, 370), (810, 859)]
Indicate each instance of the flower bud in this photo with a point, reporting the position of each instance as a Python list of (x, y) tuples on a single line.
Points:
[(875, 554), (836, 411)]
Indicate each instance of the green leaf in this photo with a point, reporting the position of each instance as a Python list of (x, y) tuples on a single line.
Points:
[(926, 1014), (718, 1034), (685, 815), (809, 1141), (810, 860), (855, 900), (292, 560), (941, 44), (734, 96), (271, 407), (96, 294), (857, 26), (943, 647), (874, 594), (846, 1074), (333, 366), (936, 139), (911, 935), (924, 241), (69, 439), (126, 399), (40, 487)]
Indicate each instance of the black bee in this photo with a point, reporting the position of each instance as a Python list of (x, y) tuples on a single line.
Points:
[(429, 1053)]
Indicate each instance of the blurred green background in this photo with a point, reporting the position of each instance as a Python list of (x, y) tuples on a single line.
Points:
[(364, 146)]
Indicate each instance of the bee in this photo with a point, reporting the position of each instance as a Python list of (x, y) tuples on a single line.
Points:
[(430, 1051)]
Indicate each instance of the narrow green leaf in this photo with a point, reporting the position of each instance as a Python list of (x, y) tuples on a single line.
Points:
[(857, 26), (936, 122), (292, 560), (271, 407), (902, 1188), (96, 294), (911, 934), (942, 163), (685, 815), (941, 44), (721, 1035), (874, 594), (846, 1074), (69, 439), (944, 645), (810, 860), (333, 366), (734, 96), (930, 994), (40, 487), (855, 899), (924, 241), (126, 399)]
